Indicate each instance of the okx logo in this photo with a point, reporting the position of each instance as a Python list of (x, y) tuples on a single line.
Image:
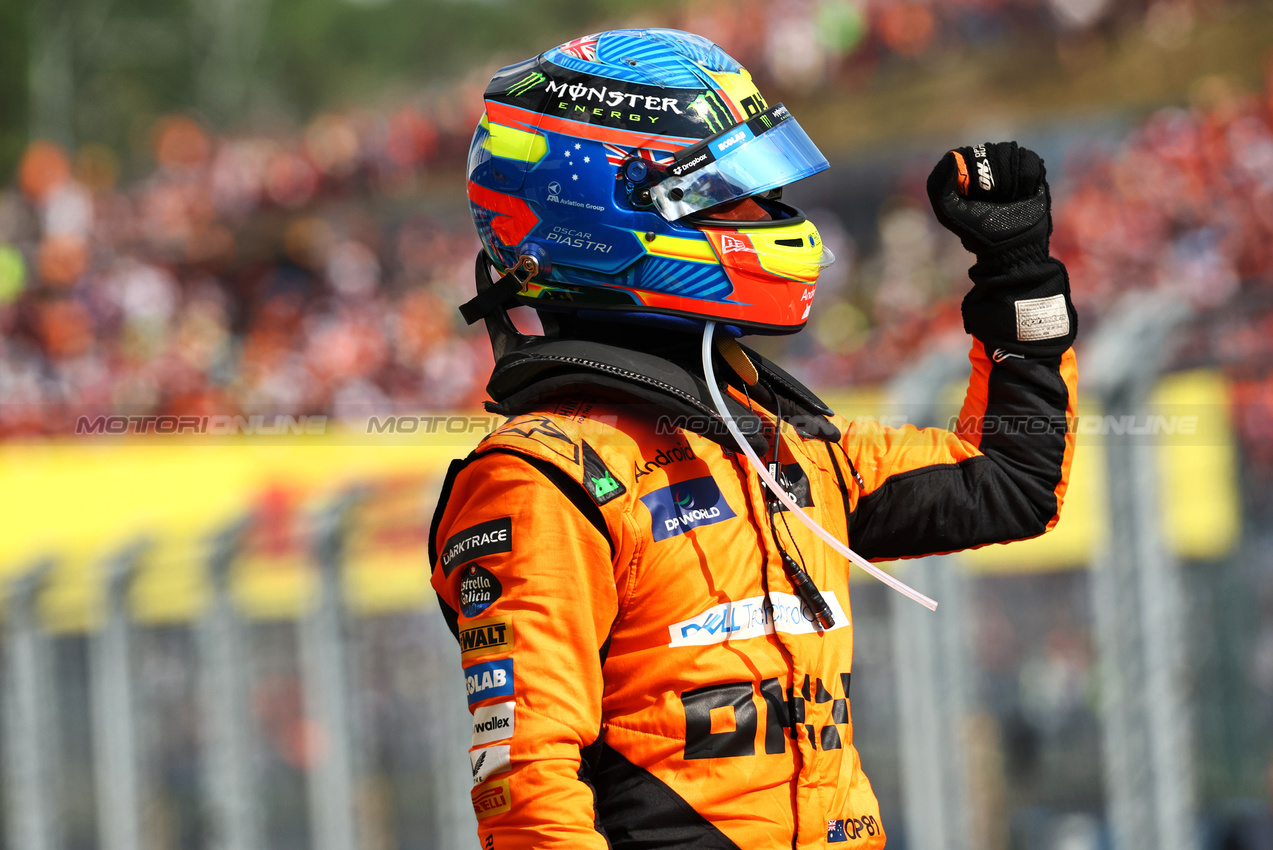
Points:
[(677, 509), (492, 679)]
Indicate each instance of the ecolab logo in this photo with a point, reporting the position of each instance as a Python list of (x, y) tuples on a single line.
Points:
[(732, 140), (492, 679)]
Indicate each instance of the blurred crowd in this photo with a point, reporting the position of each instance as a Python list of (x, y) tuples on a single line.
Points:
[(243, 275), (1183, 205), (316, 271), (804, 43)]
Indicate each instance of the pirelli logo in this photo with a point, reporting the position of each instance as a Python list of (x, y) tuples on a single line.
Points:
[(483, 637), (492, 798)]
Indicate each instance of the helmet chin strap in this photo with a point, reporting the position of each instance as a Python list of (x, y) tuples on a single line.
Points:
[(780, 492)]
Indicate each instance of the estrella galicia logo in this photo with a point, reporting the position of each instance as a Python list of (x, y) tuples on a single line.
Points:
[(485, 538), (490, 679), (478, 589), (676, 509)]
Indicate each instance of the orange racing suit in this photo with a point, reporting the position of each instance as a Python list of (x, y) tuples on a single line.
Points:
[(638, 667)]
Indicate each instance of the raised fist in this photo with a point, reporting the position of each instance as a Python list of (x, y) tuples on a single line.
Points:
[(994, 197)]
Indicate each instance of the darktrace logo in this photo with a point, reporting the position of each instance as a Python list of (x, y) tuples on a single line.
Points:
[(664, 457), (685, 506), (485, 538)]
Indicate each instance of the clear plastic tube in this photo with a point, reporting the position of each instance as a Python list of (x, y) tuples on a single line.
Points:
[(710, 374)]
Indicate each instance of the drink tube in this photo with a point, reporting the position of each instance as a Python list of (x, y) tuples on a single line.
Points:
[(710, 374)]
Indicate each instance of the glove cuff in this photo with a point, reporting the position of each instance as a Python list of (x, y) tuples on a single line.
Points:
[(1022, 307)]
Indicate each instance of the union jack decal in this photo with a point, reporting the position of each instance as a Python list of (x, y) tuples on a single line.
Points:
[(616, 155), (582, 48)]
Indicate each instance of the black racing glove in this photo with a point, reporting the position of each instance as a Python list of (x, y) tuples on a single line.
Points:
[(995, 198)]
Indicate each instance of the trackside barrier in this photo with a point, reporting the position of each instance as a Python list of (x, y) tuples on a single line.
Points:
[(931, 654), (325, 678), (344, 804), (1137, 598), (115, 710), (30, 731), (229, 742)]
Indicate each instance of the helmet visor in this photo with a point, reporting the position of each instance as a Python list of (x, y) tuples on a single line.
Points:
[(763, 153)]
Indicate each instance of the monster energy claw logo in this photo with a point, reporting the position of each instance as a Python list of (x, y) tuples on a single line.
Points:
[(707, 105), (526, 84)]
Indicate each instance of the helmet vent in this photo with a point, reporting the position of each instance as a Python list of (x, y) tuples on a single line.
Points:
[(790, 243)]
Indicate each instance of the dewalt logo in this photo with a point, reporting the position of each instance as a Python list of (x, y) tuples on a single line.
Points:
[(485, 636)]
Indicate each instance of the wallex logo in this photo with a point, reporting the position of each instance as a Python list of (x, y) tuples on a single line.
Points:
[(483, 637), (493, 798), (494, 722), (681, 507)]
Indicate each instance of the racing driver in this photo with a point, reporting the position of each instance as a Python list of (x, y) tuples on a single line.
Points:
[(646, 566)]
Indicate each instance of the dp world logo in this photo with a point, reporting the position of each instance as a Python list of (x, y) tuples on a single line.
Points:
[(676, 509), (684, 496), (554, 188)]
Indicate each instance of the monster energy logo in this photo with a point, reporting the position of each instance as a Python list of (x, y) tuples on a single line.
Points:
[(707, 105), (767, 121), (526, 84)]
